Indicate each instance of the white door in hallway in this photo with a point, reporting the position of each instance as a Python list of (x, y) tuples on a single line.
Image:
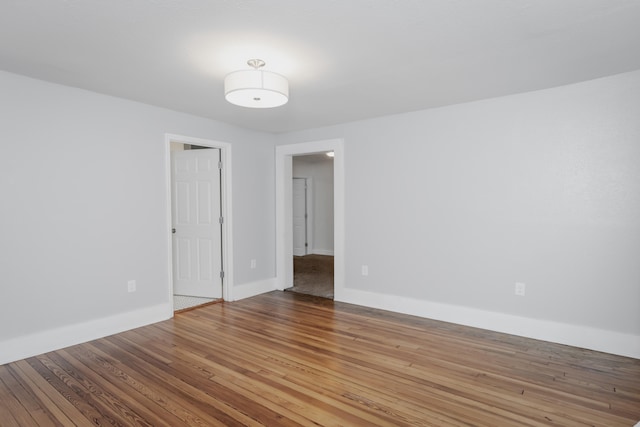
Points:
[(299, 197), (196, 216)]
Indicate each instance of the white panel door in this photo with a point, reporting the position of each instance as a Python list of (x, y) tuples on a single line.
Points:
[(195, 210), (299, 216)]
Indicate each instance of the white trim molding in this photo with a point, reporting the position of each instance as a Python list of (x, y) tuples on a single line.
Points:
[(308, 211), (42, 342), (562, 333)]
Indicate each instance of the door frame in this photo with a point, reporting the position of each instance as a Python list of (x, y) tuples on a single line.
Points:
[(284, 210), (308, 194), (225, 194), (306, 215)]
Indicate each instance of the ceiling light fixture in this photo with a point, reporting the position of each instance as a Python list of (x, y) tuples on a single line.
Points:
[(256, 88)]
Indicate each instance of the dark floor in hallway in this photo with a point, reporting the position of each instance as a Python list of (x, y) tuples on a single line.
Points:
[(313, 275)]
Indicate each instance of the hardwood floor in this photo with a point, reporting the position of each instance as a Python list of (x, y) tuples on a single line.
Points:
[(284, 359)]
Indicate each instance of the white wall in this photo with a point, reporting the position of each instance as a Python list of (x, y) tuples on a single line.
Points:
[(450, 207), (82, 179), (320, 169)]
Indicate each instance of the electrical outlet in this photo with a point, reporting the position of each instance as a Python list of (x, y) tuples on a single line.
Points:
[(253, 263), (131, 286), (520, 289), (365, 270)]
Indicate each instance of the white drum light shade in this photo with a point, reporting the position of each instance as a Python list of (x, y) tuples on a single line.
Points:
[(256, 88)]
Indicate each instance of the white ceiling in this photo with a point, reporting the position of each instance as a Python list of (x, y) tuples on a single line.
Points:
[(346, 59)]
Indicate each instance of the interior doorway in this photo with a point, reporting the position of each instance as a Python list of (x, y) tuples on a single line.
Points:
[(285, 155), (196, 212), (198, 191), (313, 218)]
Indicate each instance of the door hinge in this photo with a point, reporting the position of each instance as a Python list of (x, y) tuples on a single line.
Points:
[(219, 165), (222, 274), (221, 220)]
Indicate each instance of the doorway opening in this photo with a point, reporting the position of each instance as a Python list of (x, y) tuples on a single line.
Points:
[(285, 155), (198, 214), (313, 218)]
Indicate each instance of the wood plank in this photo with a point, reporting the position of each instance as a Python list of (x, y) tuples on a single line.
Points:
[(26, 398), (53, 400), (307, 366), (282, 359), (164, 405), (116, 404), (14, 414)]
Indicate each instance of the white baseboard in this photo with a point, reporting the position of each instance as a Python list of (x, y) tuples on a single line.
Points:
[(562, 333), (252, 289), (322, 252), (41, 342)]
